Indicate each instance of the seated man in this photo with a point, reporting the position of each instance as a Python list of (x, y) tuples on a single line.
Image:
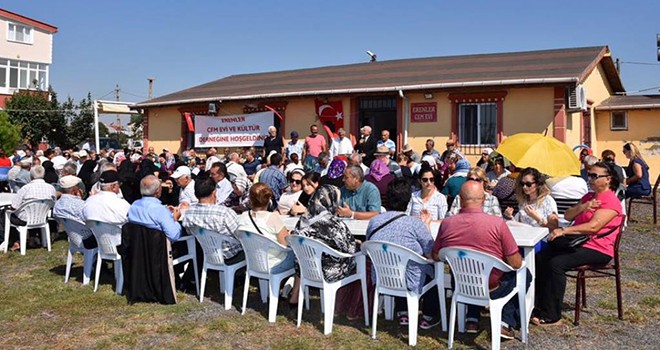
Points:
[(210, 215), (361, 199), (106, 206), (70, 206), (182, 176), (218, 173), (474, 229), (149, 212)]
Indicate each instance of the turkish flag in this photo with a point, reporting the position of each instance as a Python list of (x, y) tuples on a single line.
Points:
[(189, 121), (331, 115)]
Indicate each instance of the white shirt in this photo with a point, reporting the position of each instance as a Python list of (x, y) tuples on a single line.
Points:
[(340, 147), (222, 191), (210, 161), (236, 170), (188, 194), (107, 207), (287, 201)]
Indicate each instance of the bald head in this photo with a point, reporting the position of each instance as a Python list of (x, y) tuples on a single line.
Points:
[(149, 186), (472, 195)]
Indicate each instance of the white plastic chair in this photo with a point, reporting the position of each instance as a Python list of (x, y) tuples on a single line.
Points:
[(471, 270), (108, 237), (36, 213), (213, 245), (390, 263), (77, 232), (257, 249), (308, 253), (191, 256)]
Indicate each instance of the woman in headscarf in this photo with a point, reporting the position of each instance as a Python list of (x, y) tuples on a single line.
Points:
[(322, 223), (50, 177), (335, 175), (379, 175)]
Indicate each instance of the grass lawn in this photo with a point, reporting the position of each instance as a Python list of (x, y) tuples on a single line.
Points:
[(40, 311)]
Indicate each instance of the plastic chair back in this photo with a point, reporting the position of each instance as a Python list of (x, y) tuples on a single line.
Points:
[(108, 237), (471, 270), (76, 232), (36, 211), (308, 253), (212, 244), (391, 262), (257, 248)]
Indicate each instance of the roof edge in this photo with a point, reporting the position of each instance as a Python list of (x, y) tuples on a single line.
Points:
[(534, 81), (630, 106), (30, 21)]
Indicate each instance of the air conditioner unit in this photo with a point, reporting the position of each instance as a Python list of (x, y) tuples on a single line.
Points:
[(576, 98)]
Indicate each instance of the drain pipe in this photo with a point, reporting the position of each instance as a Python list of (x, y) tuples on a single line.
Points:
[(406, 116)]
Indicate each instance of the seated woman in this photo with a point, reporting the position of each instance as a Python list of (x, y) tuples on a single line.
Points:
[(498, 170), (637, 183), (321, 222), (379, 175), (310, 182), (428, 199), (491, 204), (335, 175), (270, 225), (597, 213), (289, 198), (412, 233)]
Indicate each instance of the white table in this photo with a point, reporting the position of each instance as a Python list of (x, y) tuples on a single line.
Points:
[(526, 238), (6, 198)]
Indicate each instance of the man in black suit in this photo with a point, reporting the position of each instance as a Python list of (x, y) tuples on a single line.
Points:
[(367, 145)]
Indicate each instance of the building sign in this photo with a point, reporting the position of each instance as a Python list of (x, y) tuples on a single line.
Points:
[(243, 130), (424, 112)]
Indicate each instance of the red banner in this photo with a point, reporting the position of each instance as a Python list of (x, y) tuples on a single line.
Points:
[(424, 112), (189, 121), (331, 115)]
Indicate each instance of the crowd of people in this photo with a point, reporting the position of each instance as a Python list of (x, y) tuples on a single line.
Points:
[(400, 193)]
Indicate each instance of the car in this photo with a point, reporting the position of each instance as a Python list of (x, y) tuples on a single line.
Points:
[(104, 142)]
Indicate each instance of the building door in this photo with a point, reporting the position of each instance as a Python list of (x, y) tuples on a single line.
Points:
[(585, 127), (380, 114)]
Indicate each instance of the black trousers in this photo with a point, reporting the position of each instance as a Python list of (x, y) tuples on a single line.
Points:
[(551, 265)]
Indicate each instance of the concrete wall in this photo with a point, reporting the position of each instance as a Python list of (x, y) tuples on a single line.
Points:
[(165, 129), (643, 131), (41, 50)]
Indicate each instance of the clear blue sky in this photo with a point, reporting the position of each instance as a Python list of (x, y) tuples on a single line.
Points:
[(186, 43)]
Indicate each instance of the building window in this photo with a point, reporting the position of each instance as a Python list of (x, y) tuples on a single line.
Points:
[(23, 75), (477, 123), (619, 121), (19, 33)]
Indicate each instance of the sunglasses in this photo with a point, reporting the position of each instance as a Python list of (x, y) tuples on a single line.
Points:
[(594, 176), (528, 184), (428, 179), (477, 179), (297, 182)]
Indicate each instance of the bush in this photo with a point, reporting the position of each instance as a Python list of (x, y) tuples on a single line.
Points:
[(10, 135)]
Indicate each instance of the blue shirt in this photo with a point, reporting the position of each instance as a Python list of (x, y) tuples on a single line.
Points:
[(389, 143), (273, 177), (251, 167), (365, 198), (149, 212)]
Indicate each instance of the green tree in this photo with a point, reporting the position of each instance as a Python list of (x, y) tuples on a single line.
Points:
[(10, 135), (58, 132), (32, 112), (81, 124), (136, 126)]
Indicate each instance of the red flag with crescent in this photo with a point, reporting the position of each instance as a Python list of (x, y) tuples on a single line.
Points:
[(331, 115), (189, 121)]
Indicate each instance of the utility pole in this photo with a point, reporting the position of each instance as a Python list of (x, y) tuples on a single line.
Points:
[(151, 87), (118, 116)]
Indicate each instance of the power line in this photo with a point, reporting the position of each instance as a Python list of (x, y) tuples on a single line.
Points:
[(641, 63)]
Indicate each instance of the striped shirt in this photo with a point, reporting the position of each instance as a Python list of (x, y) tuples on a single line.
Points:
[(491, 206), (436, 205)]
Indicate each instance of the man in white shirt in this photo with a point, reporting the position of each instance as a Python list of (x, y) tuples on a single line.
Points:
[(210, 159), (570, 187), (234, 166), (106, 206), (223, 186), (341, 146), (295, 146), (35, 189), (187, 184)]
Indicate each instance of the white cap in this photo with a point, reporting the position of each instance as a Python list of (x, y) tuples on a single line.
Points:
[(69, 181), (20, 153), (180, 171), (82, 153)]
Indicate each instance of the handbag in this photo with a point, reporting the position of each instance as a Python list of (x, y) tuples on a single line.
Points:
[(574, 241)]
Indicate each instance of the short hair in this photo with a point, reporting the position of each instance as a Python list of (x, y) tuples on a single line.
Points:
[(366, 128), (70, 168), (356, 171), (37, 172), (313, 126), (233, 155), (260, 195), (356, 156), (272, 128), (398, 194), (401, 157), (431, 142), (275, 159), (149, 186), (589, 160), (325, 156), (48, 153), (608, 155), (222, 168), (204, 187)]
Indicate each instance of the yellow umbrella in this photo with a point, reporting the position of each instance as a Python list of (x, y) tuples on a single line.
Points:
[(545, 153)]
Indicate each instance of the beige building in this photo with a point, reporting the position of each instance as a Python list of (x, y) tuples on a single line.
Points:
[(476, 100), (26, 53)]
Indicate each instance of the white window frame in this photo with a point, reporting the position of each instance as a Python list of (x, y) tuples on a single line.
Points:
[(28, 31), (26, 67), (460, 116), (619, 127)]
